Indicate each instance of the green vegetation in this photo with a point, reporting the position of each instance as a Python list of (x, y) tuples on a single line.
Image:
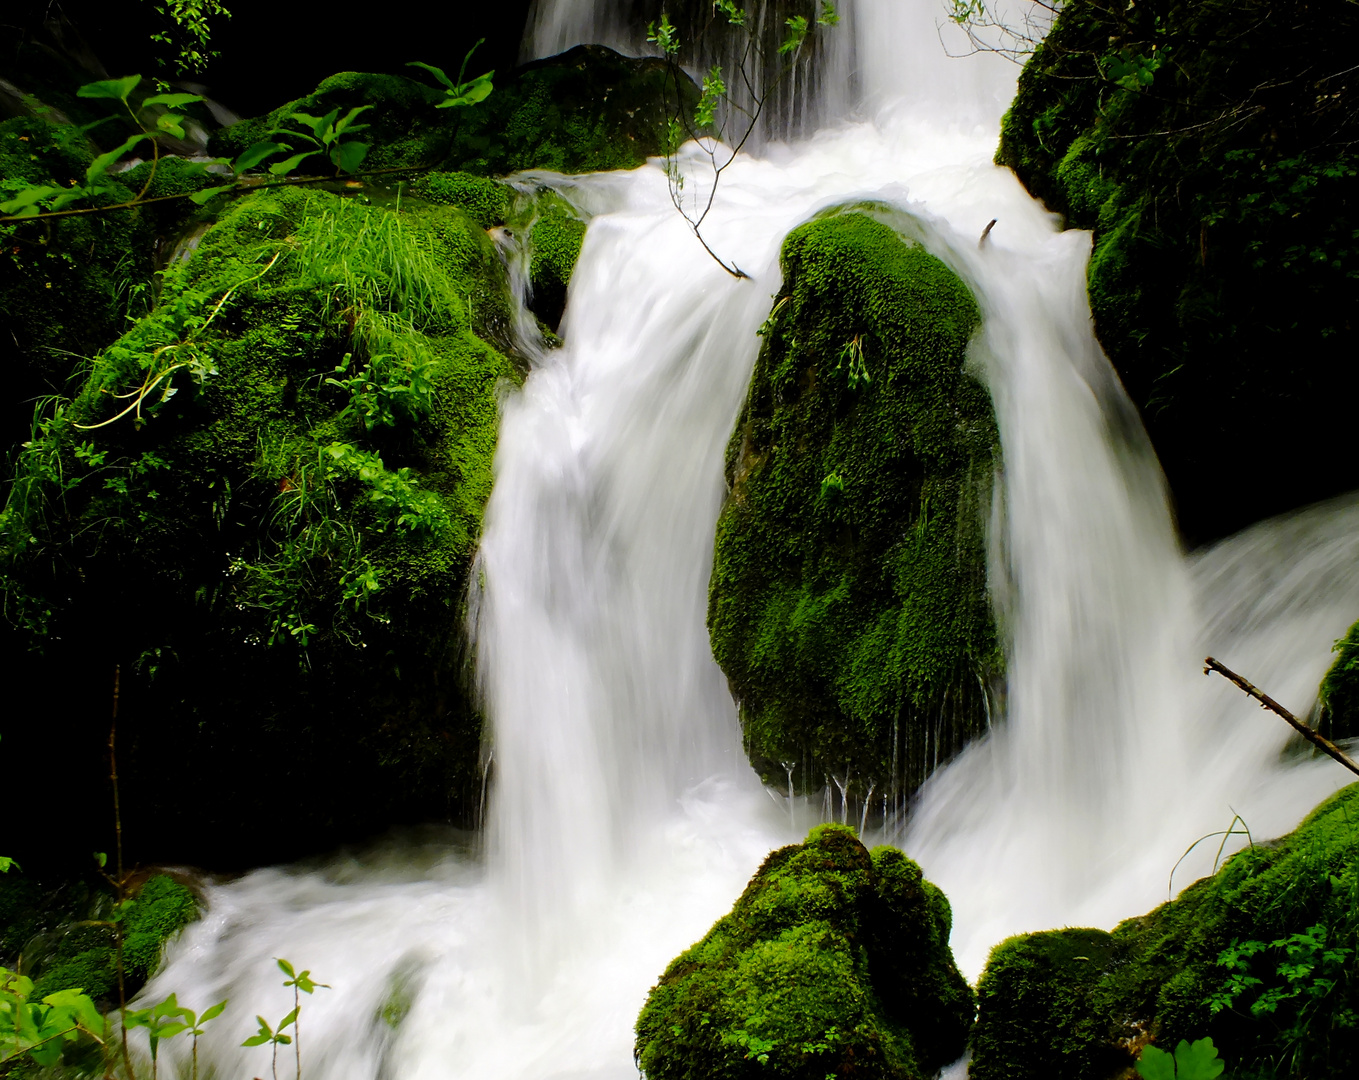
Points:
[(833, 962), (848, 601), (1211, 148), (1260, 957), (586, 110), (1340, 690), (264, 502)]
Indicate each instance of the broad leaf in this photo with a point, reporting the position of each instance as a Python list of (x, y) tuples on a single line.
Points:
[(348, 156), (346, 123), (110, 89), (287, 1021), (100, 165), (172, 101), (436, 72), (29, 197), (469, 93), (80, 1007), (287, 969), (257, 152), (1198, 1061), (212, 1012), (202, 198), (1155, 1064), (171, 124), (287, 165)]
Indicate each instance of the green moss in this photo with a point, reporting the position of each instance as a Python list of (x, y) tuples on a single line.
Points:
[(1340, 690), (834, 961), (1079, 1003), (486, 201), (79, 955), (279, 552), (848, 596), (554, 240), (1225, 255)]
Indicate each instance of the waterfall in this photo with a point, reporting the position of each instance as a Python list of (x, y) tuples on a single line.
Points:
[(623, 818)]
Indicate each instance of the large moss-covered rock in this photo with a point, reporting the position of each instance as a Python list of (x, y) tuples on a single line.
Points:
[(586, 110), (1340, 690), (1211, 147), (1261, 957), (848, 602), (275, 551), (833, 962)]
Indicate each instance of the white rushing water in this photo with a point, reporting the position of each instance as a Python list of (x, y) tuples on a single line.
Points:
[(624, 819)]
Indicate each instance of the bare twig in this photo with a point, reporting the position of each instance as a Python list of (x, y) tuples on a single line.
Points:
[(1312, 736)]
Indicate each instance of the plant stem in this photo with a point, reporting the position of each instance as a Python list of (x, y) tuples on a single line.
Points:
[(121, 881), (297, 1028)]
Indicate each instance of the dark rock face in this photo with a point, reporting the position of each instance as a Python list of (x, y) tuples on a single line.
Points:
[(848, 603), (1211, 148), (1260, 957), (834, 960)]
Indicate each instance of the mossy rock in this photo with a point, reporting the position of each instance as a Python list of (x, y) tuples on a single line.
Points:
[(1079, 1004), (848, 603), (278, 554), (587, 110), (61, 938), (1211, 147), (834, 961), (1340, 690)]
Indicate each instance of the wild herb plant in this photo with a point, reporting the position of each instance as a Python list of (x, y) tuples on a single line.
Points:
[(1190, 1061)]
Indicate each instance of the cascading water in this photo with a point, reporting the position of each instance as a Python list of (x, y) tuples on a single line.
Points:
[(623, 818)]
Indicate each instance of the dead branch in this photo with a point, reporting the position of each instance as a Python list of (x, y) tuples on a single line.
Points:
[(1311, 735)]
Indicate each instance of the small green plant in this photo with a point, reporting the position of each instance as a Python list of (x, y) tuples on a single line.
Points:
[(43, 1030), (1191, 1061), (188, 32), (168, 1019), (458, 94), (301, 983), (328, 135), (855, 363)]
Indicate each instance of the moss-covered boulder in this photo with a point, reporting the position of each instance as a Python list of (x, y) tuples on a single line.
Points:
[(263, 505), (1212, 149), (1262, 957), (1340, 690), (586, 110), (848, 603), (61, 936), (833, 962)]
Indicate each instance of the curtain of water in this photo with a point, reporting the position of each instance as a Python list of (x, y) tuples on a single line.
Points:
[(623, 818)]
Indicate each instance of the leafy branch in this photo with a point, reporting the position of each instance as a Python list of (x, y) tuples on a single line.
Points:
[(720, 126)]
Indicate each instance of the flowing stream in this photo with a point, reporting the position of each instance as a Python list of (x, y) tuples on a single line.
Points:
[(623, 817)]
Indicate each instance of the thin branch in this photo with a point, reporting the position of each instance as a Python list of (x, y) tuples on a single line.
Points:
[(1311, 735)]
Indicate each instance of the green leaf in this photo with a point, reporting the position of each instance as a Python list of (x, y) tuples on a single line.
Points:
[(5, 863), (110, 89), (80, 1007), (287, 165), (436, 72), (348, 156), (208, 194), (1155, 1064), (257, 1040), (287, 968), (101, 858), (212, 1012), (29, 197), (257, 152), (1198, 1061), (171, 124), (468, 93), (288, 1020), (100, 164), (346, 122), (172, 101), (46, 1056)]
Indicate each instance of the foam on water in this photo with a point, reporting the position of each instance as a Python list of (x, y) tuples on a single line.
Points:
[(624, 819)]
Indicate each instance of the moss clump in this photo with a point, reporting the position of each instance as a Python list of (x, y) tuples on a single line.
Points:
[(1340, 690), (555, 240), (485, 200), (278, 553), (586, 110), (1211, 147), (1261, 957), (834, 961), (848, 596), (57, 937)]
